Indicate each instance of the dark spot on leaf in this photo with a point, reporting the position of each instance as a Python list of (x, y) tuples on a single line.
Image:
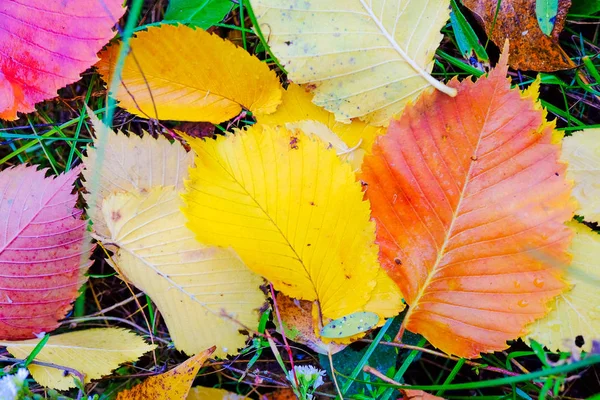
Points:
[(397, 261), (473, 158), (294, 143), (289, 42), (116, 215), (556, 173), (579, 341)]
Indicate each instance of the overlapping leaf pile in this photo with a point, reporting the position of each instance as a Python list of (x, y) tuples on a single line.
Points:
[(462, 208)]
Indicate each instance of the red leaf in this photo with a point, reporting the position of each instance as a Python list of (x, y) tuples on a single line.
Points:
[(470, 202), (46, 44), (44, 251)]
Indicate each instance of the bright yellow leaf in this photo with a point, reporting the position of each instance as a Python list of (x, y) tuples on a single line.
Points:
[(186, 74), (354, 155), (362, 58), (297, 106), (291, 209), (386, 299), (576, 312), (205, 294), (129, 163), (205, 393), (582, 152), (92, 352), (172, 385)]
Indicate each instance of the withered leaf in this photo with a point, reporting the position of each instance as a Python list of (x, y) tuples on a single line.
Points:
[(530, 48)]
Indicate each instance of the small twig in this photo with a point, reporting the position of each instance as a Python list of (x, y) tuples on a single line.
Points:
[(126, 282), (381, 376), (517, 364), (265, 378), (71, 371), (124, 321), (117, 305), (287, 346), (453, 358), (337, 387)]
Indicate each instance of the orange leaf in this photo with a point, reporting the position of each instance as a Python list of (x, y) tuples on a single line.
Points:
[(470, 202), (45, 45), (172, 385), (410, 394)]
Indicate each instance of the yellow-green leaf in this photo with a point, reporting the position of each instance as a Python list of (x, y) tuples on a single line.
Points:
[(582, 152), (92, 352), (129, 163), (576, 312), (362, 58), (172, 385), (205, 294), (291, 209), (296, 106), (186, 74)]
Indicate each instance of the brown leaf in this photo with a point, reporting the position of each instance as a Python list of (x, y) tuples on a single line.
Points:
[(530, 48), (197, 129), (297, 319), (410, 394)]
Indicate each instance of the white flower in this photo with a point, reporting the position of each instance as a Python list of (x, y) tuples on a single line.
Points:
[(10, 385), (309, 379)]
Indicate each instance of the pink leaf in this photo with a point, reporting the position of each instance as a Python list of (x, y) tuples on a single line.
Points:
[(44, 250), (46, 44)]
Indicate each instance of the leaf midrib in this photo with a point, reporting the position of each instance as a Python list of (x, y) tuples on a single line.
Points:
[(123, 246), (243, 187), (28, 223), (455, 216), (430, 79)]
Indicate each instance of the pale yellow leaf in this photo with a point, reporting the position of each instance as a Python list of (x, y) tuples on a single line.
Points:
[(186, 74), (205, 393), (582, 152), (172, 385), (92, 352), (297, 106), (129, 163), (576, 312), (362, 58), (205, 294), (291, 209)]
